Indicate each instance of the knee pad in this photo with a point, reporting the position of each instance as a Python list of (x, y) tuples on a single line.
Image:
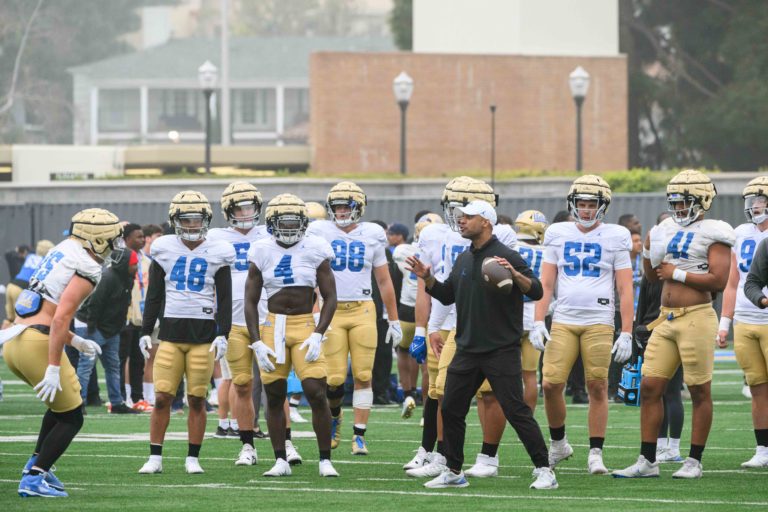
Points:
[(335, 393), (73, 417), (362, 398), (363, 375)]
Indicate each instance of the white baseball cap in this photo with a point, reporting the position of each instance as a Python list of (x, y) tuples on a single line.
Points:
[(481, 208)]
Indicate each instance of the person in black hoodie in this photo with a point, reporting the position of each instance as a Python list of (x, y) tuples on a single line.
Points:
[(104, 314)]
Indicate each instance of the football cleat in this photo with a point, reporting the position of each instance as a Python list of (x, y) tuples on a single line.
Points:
[(292, 454), (559, 451), (247, 457), (418, 460), (484, 467), (192, 466), (336, 430), (143, 406), (435, 466), (221, 433), (691, 469), (545, 479), (409, 404), (447, 479), (296, 416), (152, 466), (50, 477), (759, 460), (595, 462), (359, 446), (34, 486), (281, 468), (640, 469), (668, 455), (327, 469), (233, 433)]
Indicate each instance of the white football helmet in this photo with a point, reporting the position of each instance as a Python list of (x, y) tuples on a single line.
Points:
[(694, 190), (589, 187), (245, 196), (460, 192), (190, 215), (531, 225), (756, 200), (348, 194), (98, 230), (286, 218)]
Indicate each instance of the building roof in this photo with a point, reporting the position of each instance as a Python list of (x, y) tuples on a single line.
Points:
[(251, 58)]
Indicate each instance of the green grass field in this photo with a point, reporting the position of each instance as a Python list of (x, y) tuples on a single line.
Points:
[(100, 467)]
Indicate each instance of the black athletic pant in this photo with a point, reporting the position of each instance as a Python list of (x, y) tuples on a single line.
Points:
[(502, 368), (382, 362), (129, 350)]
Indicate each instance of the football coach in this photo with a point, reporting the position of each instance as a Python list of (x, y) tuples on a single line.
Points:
[(488, 330)]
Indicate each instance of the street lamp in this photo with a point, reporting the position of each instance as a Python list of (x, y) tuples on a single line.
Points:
[(208, 75), (403, 87), (493, 146), (579, 83)]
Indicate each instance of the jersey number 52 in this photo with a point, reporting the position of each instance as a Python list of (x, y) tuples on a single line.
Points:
[(585, 265)]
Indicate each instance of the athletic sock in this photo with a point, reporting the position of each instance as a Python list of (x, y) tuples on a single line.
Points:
[(288, 434), (336, 411), (489, 449), (440, 448), (557, 433), (280, 454), (294, 402), (156, 449), (325, 454), (648, 450), (662, 443), (246, 437), (193, 450), (217, 383), (224, 423), (233, 424), (359, 429), (429, 432), (761, 436), (697, 450), (674, 444), (596, 442)]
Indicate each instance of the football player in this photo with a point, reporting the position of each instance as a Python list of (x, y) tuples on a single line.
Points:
[(530, 226), (440, 245), (288, 266), (358, 250), (35, 343), (691, 255), (583, 260), (241, 206), (191, 276), (750, 330)]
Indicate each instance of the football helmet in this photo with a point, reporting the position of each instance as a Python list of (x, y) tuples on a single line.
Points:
[(589, 187), (187, 207), (42, 247), (286, 218), (348, 194), (756, 200), (424, 221), (98, 230), (695, 190), (315, 211), (531, 225), (460, 192), (245, 196)]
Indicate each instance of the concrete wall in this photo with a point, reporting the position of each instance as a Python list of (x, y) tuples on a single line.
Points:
[(356, 121)]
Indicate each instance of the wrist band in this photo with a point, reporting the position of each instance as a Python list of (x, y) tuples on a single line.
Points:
[(420, 331), (679, 275), (646, 253), (725, 323)]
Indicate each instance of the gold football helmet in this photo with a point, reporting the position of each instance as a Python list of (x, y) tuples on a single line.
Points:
[(531, 225), (315, 211), (589, 187), (347, 194), (98, 230), (461, 191), (756, 200), (694, 190), (424, 221), (286, 218), (42, 247), (247, 199), (190, 215)]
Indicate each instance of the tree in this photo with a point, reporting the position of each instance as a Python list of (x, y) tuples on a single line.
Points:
[(401, 24)]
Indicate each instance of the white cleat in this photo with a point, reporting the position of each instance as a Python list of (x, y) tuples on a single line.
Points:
[(447, 479), (281, 468), (327, 469), (192, 466), (559, 451), (292, 454), (545, 479), (485, 467), (668, 455), (760, 459), (409, 404), (418, 460), (296, 417), (247, 457), (436, 466), (595, 462), (691, 469), (152, 466), (640, 469)]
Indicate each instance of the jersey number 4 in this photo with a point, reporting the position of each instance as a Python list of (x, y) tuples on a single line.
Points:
[(587, 265), (283, 270), (350, 257), (190, 278)]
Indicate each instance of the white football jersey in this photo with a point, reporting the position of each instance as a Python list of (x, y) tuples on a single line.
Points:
[(408, 289), (355, 255), (748, 237), (62, 262), (241, 243), (283, 267), (687, 247), (586, 265), (533, 255), (189, 275)]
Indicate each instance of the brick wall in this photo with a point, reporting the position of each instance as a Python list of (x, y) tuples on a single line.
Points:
[(356, 121)]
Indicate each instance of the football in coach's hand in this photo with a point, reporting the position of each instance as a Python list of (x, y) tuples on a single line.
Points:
[(496, 276)]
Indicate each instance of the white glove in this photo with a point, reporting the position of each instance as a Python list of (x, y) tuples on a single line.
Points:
[(88, 348), (538, 334), (313, 345), (262, 355), (622, 348), (658, 246), (51, 383), (394, 333), (145, 345), (219, 344)]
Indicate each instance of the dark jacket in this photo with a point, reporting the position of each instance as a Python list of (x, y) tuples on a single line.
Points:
[(648, 307), (758, 276), (486, 319), (107, 307)]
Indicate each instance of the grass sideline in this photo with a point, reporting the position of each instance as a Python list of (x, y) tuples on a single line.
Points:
[(100, 467)]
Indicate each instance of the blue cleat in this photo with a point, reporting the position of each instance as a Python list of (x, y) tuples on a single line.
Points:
[(34, 486), (50, 477)]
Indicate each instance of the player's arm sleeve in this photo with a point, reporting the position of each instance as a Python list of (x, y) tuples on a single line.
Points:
[(444, 291), (223, 281), (758, 276), (536, 291), (154, 300), (437, 316)]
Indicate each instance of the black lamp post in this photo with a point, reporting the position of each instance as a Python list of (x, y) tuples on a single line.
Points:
[(208, 76), (493, 146), (403, 87), (579, 84)]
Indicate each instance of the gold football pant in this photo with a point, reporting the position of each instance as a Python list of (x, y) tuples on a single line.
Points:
[(353, 332), (174, 360), (297, 329)]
